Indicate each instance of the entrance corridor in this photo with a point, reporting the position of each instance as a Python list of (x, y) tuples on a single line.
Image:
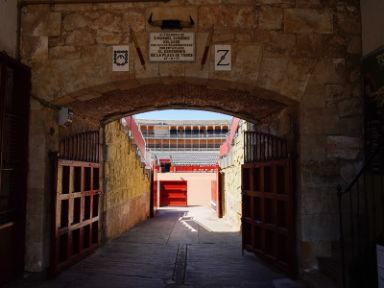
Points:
[(180, 247)]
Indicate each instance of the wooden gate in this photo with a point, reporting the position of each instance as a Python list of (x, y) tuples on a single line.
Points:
[(76, 200), (14, 118), (268, 225), (173, 193)]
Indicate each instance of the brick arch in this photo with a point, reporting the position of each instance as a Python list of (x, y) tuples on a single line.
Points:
[(111, 101)]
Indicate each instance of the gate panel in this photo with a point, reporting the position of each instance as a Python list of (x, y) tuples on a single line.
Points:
[(77, 201), (14, 118), (267, 198), (173, 193)]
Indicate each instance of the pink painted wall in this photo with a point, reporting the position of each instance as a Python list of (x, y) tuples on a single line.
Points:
[(198, 185)]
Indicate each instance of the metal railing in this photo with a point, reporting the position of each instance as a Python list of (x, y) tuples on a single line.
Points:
[(361, 223), (263, 147), (184, 136), (165, 149)]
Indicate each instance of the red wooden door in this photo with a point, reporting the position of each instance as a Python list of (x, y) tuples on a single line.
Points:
[(14, 118), (173, 193), (268, 225), (77, 200)]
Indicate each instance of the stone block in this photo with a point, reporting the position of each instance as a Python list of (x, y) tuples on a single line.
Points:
[(271, 18), (227, 16), (248, 62), (308, 21), (319, 227), (349, 22), (64, 52), (34, 48), (320, 200), (134, 19), (334, 93), (350, 107), (292, 2), (329, 71), (343, 147), (275, 42), (80, 38), (354, 45), (49, 25), (108, 37), (314, 96), (272, 72), (296, 78), (313, 147), (75, 21), (310, 121), (111, 22)]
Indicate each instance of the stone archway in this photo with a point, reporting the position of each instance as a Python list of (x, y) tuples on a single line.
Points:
[(285, 53), (113, 100)]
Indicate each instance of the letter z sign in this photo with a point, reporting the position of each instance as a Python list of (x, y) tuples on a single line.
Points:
[(223, 58)]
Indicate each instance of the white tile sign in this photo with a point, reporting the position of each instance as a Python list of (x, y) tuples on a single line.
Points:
[(172, 47), (120, 58), (223, 58)]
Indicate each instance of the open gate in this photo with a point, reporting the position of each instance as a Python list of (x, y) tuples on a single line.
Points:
[(76, 200), (268, 224), (14, 118)]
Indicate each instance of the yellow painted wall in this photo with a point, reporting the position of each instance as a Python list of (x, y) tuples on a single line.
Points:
[(127, 196)]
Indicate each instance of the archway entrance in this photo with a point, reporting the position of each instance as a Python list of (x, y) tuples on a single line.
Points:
[(102, 108)]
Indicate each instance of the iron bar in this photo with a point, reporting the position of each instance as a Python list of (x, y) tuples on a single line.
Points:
[(341, 230), (352, 223)]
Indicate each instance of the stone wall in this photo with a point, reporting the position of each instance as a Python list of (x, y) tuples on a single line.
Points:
[(43, 139), (230, 167), (285, 53), (127, 195), (8, 24), (372, 18)]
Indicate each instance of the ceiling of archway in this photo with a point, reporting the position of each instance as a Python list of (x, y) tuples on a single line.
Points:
[(116, 103)]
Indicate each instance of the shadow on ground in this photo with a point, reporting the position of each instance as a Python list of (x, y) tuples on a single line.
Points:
[(182, 247)]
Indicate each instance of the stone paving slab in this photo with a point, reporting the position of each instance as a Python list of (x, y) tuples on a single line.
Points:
[(178, 248)]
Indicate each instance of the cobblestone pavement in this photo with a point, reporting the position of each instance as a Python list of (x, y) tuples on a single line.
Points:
[(180, 247)]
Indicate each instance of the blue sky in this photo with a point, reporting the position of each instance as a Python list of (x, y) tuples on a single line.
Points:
[(182, 115)]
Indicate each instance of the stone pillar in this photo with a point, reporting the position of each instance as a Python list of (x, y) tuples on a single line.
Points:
[(43, 138)]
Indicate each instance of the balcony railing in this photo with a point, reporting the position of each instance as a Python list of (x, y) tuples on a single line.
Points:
[(165, 149), (185, 136)]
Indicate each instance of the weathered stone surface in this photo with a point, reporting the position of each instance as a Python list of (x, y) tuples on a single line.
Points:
[(50, 25), (107, 37), (307, 63), (308, 21), (65, 52), (276, 43), (349, 22), (231, 169), (134, 19), (343, 147), (320, 45), (247, 68), (227, 16), (108, 21), (127, 186), (80, 37), (35, 48), (271, 18), (75, 21)]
